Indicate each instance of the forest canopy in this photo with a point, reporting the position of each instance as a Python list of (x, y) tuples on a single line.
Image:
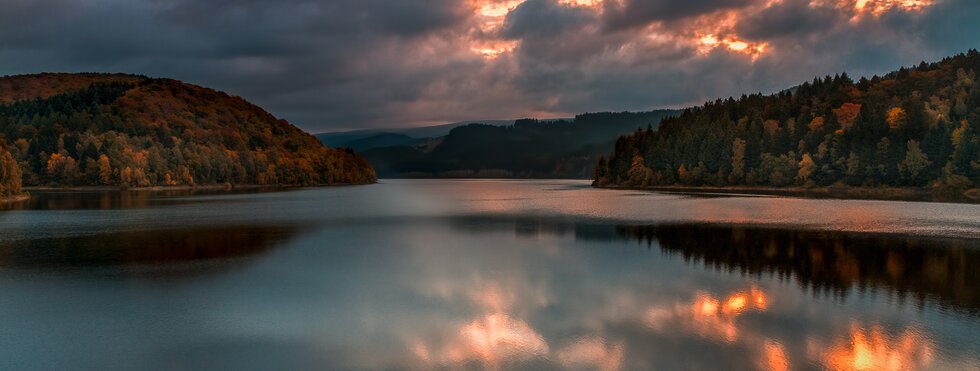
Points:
[(134, 131), (914, 127)]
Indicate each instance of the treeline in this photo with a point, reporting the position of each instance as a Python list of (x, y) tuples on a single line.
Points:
[(527, 149), (149, 132), (914, 127)]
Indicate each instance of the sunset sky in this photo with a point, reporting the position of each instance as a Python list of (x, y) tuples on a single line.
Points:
[(349, 64)]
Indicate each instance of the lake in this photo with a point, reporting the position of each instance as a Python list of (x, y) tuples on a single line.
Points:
[(487, 274)]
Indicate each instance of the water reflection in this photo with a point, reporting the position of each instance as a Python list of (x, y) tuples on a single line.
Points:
[(382, 278), (492, 337), (925, 271), (149, 247), (110, 200), (501, 337), (912, 268), (875, 349), (774, 357), (708, 316), (917, 268)]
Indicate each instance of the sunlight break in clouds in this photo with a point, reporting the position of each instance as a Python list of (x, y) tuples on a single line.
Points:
[(706, 32), (877, 7)]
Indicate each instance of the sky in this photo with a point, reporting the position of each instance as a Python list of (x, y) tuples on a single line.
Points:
[(328, 65)]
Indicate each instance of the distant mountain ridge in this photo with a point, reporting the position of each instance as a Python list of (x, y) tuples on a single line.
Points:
[(133, 131), (347, 139), (526, 148)]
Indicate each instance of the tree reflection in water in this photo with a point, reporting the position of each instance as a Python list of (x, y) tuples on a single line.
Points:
[(916, 268), (926, 271), (923, 269), (149, 248)]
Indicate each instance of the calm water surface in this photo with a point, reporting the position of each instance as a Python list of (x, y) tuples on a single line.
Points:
[(486, 275)]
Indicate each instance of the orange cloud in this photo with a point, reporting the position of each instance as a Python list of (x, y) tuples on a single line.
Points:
[(877, 7), (582, 3), (496, 8)]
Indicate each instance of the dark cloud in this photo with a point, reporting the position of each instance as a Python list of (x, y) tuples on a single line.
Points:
[(340, 64), (789, 19), (544, 18)]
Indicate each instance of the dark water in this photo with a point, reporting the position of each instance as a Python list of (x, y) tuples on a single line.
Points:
[(486, 275)]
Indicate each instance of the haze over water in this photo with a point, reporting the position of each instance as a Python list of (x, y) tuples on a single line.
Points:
[(420, 274)]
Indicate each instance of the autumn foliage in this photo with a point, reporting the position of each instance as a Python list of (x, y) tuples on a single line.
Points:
[(122, 130), (917, 126), (10, 177)]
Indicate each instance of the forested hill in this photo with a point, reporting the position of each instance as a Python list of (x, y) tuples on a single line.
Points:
[(527, 149), (134, 131), (914, 127)]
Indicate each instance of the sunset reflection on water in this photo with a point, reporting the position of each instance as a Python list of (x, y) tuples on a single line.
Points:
[(875, 349), (499, 337), (707, 315)]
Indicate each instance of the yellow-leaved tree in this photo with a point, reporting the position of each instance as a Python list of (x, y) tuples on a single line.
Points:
[(10, 175)]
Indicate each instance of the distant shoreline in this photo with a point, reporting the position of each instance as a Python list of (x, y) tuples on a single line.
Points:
[(852, 193)]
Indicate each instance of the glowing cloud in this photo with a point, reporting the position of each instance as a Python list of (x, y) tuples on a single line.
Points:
[(496, 8), (877, 7), (582, 3), (491, 49)]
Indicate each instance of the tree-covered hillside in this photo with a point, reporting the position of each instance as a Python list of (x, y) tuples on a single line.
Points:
[(914, 127), (122, 130), (527, 149)]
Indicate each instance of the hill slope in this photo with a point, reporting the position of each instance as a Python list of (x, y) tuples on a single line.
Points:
[(527, 149), (122, 130), (913, 127)]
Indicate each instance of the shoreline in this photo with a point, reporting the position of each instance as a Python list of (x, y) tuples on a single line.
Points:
[(972, 196), (13, 199), (151, 188), (204, 187)]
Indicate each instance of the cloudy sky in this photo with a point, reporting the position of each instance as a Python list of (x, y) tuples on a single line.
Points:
[(347, 64)]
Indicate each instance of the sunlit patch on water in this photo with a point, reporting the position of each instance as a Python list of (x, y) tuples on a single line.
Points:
[(707, 316), (874, 348)]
